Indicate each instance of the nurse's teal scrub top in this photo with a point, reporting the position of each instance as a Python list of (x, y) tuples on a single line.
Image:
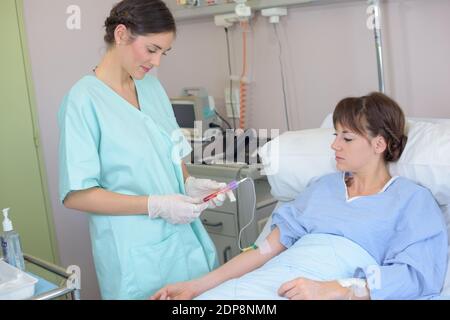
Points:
[(106, 142)]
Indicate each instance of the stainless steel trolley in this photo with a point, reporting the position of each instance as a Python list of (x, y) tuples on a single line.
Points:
[(68, 287)]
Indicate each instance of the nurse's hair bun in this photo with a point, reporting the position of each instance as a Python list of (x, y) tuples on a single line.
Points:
[(141, 17), (116, 18)]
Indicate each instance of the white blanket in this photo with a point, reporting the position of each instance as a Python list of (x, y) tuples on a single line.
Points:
[(314, 256)]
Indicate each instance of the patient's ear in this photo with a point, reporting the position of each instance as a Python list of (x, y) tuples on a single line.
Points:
[(379, 144)]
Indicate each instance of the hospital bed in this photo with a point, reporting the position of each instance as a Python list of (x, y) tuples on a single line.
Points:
[(304, 155)]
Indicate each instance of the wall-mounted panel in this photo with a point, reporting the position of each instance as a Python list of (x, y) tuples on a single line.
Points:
[(192, 9)]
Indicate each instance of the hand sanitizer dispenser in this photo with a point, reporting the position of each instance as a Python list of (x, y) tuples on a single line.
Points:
[(10, 242)]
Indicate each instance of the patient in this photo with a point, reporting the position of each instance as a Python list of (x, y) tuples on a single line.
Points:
[(355, 234)]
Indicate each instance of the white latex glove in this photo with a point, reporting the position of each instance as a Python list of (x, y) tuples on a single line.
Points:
[(200, 188), (176, 209)]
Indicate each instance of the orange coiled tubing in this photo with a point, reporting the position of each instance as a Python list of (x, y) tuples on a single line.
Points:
[(243, 85)]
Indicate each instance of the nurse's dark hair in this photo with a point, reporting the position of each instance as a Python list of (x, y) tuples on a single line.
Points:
[(141, 17), (373, 115)]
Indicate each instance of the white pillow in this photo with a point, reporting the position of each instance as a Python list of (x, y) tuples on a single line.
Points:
[(294, 158), (426, 158)]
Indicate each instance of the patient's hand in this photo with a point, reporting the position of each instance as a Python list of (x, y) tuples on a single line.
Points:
[(178, 291), (305, 289)]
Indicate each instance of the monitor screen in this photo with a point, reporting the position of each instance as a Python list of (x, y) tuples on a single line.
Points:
[(185, 114)]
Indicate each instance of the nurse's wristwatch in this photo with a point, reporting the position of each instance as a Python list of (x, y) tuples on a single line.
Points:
[(357, 287)]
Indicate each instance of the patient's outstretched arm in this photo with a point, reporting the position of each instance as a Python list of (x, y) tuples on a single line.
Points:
[(236, 267), (245, 262)]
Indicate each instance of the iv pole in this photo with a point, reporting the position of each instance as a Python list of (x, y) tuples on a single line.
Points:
[(375, 5)]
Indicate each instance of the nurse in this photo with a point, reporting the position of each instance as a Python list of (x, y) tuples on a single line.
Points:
[(120, 161)]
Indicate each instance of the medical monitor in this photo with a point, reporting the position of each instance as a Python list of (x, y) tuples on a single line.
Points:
[(184, 111), (193, 116)]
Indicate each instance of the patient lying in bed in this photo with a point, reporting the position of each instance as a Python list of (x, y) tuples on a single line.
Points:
[(359, 223), (396, 239)]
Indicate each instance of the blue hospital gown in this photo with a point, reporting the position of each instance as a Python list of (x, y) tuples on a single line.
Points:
[(402, 228)]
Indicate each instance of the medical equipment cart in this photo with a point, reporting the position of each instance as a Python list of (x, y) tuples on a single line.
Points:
[(69, 286)]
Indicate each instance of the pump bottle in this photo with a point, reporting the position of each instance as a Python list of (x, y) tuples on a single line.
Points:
[(10, 242)]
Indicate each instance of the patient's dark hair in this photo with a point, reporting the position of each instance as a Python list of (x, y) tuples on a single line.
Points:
[(141, 17), (373, 115)]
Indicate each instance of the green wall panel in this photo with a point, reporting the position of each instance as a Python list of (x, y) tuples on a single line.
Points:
[(23, 185)]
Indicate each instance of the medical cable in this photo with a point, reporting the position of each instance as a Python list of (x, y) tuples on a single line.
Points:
[(251, 220), (230, 75), (223, 119), (283, 84)]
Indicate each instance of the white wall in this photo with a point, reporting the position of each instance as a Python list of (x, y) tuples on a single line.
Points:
[(328, 53)]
